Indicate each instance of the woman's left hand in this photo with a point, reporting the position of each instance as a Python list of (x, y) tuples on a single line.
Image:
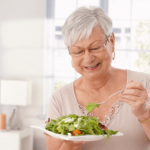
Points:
[(136, 95)]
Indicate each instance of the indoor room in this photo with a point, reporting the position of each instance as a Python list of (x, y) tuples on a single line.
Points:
[(74, 58)]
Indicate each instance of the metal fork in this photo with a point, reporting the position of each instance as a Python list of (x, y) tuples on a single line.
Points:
[(113, 95)]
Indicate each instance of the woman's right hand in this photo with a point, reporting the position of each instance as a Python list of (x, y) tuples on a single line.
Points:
[(52, 143), (57, 144), (71, 145)]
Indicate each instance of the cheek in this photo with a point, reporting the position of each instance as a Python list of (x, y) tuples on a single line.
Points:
[(108, 53), (107, 57), (106, 60), (77, 65), (104, 56)]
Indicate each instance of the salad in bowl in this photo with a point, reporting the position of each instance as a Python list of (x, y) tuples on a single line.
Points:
[(73, 125)]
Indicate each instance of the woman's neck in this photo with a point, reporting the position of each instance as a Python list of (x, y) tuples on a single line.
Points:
[(100, 83)]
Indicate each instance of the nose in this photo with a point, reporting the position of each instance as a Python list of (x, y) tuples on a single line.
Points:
[(88, 57)]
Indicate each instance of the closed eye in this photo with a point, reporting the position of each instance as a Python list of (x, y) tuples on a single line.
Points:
[(78, 52), (95, 48)]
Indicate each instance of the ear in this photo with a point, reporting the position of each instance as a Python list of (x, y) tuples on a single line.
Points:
[(112, 40)]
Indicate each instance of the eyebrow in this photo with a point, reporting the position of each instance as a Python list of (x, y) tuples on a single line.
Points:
[(89, 45)]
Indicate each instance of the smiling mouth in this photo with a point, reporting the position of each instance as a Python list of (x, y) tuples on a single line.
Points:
[(92, 66)]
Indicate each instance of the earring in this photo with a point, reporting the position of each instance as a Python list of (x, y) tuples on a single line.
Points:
[(113, 55), (72, 64)]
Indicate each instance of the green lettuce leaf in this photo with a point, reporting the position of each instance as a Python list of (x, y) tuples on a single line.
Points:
[(90, 106), (109, 133)]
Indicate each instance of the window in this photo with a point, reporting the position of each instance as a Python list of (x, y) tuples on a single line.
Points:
[(127, 30), (58, 28), (117, 30), (130, 26)]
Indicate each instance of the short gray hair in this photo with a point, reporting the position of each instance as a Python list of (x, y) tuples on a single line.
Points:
[(80, 23)]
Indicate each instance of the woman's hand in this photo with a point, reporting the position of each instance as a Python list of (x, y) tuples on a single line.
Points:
[(52, 143), (71, 145), (136, 95), (57, 144)]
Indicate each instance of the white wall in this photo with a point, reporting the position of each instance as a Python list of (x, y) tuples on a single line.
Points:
[(22, 55)]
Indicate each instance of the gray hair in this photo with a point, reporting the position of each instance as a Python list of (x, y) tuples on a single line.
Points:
[(80, 23)]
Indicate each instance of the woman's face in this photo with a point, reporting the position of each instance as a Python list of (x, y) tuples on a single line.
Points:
[(85, 63)]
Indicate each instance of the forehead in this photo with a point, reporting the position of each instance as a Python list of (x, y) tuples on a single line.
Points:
[(96, 35)]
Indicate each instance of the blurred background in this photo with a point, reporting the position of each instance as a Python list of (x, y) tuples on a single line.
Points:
[(32, 48)]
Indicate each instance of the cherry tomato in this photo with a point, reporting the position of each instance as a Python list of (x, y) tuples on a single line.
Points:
[(74, 132)]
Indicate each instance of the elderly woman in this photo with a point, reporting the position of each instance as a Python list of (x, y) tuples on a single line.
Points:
[(88, 35)]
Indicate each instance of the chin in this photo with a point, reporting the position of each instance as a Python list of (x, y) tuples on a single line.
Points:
[(92, 77)]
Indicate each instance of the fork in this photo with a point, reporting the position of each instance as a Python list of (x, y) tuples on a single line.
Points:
[(113, 95)]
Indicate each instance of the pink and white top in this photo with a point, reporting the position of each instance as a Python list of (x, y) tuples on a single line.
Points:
[(120, 117)]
